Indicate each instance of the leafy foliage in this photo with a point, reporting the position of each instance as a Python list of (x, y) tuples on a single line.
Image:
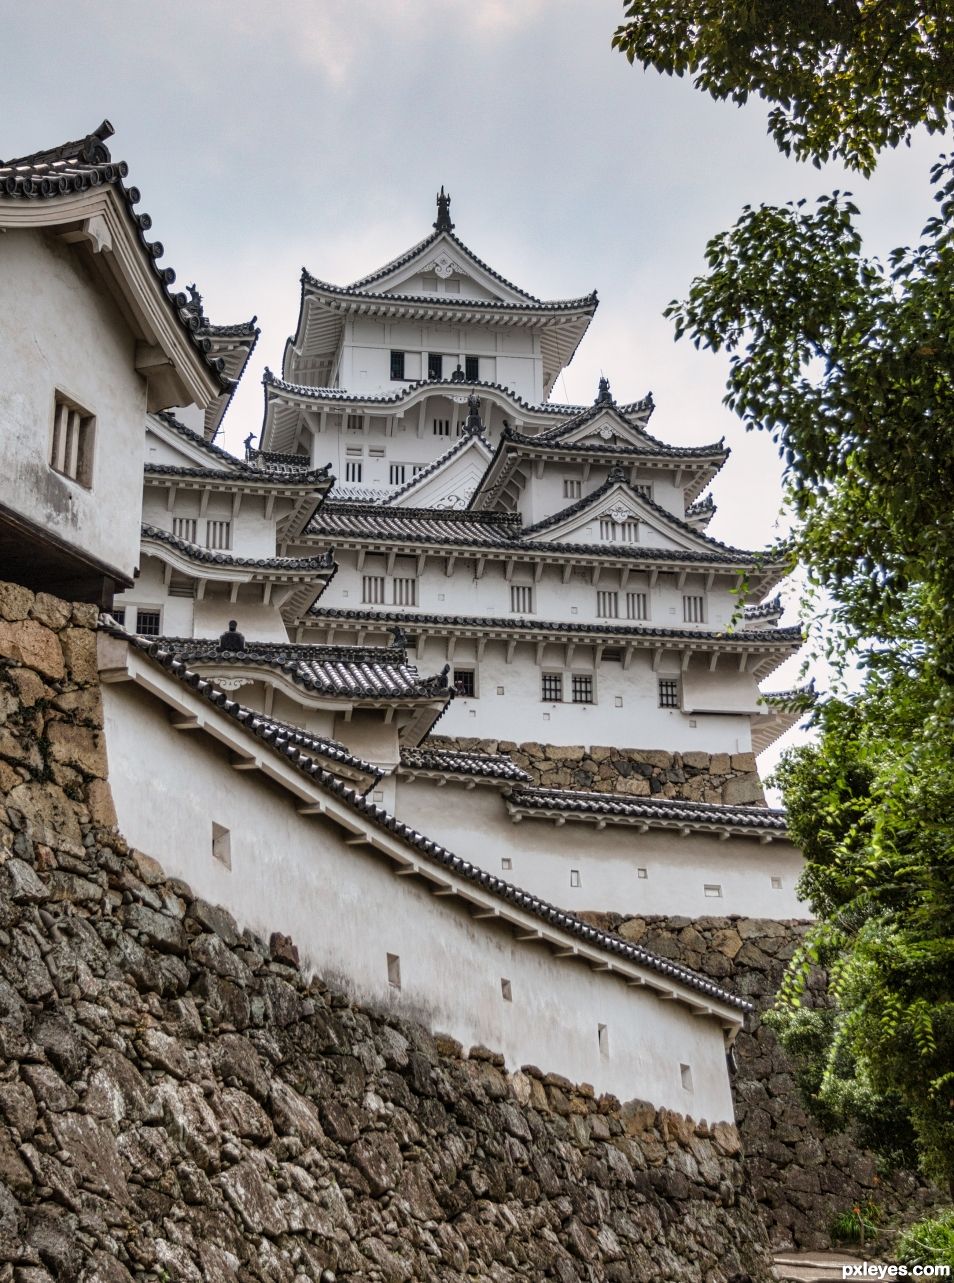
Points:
[(849, 363), (845, 78), (928, 1242)]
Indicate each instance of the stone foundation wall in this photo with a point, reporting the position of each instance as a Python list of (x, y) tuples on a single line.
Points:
[(801, 1175), (638, 772), (179, 1103)]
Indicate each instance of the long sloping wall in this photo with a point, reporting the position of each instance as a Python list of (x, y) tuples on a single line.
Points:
[(178, 1101)]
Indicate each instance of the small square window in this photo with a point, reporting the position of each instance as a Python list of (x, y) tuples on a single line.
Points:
[(572, 488), (404, 591), (693, 609), (713, 891), (356, 421), (465, 682), (776, 884), (71, 444), (396, 473), (221, 845), (435, 365), (394, 971), (500, 690), (618, 701), (575, 878), (353, 471), (642, 873), (602, 1037), (553, 687), (442, 427), (218, 535), (372, 590), (397, 365), (506, 862), (185, 528), (472, 368), (506, 991), (521, 599)]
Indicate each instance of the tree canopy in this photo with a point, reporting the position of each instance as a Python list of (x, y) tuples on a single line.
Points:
[(844, 78)]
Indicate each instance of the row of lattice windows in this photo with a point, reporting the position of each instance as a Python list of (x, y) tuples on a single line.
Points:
[(374, 590), (439, 366), (218, 534)]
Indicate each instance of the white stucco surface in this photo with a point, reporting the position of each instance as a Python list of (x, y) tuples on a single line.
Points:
[(347, 911), (61, 332), (475, 824)]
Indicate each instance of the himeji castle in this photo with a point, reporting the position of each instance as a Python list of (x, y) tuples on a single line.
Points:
[(431, 563)]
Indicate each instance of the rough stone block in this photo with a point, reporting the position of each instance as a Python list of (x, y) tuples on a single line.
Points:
[(79, 652), (743, 790), (30, 644), (743, 762), (52, 612), (15, 601)]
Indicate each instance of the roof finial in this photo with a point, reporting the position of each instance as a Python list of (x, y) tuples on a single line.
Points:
[(472, 424), (443, 223), (604, 396)]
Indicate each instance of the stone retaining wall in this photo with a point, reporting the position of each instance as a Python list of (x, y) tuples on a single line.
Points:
[(801, 1175), (179, 1103), (637, 772)]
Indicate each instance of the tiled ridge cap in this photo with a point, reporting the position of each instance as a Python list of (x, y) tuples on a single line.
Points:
[(298, 652), (462, 762), (462, 516), (197, 439), (213, 557), (263, 476), (543, 441), (79, 166), (434, 851), (770, 636), (540, 797), (766, 610)]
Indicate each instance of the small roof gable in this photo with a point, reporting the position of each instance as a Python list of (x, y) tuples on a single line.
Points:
[(450, 480), (618, 501)]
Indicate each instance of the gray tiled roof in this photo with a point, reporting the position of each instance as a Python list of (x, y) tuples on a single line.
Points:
[(448, 761), (85, 163), (424, 525), (362, 672), (767, 610), (445, 302), (283, 733), (293, 469), (436, 854), (208, 556), (389, 619), (663, 812)]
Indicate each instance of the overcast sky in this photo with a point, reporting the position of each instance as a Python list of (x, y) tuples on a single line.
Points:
[(265, 137)]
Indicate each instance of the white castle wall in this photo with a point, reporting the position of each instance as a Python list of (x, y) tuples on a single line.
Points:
[(347, 911), (475, 824), (60, 331)]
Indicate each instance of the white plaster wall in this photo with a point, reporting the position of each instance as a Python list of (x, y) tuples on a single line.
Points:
[(59, 330), (475, 824), (346, 910)]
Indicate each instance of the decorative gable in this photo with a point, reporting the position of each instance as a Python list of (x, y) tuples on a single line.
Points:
[(450, 481), (606, 427)]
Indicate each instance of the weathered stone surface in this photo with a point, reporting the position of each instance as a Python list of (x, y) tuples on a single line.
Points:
[(693, 776)]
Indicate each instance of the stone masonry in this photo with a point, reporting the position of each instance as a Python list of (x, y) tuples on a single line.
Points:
[(178, 1102), (801, 1175), (636, 772)]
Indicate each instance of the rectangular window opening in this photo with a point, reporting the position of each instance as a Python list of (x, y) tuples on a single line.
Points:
[(442, 427), (221, 845), (465, 682), (472, 368), (575, 878), (396, 474), (148, 622), (582, 688), (506, 990), (685, 1074), (397, 365), (506, 862), (712, 890), (435, 366), (642, 873), (637, 605), (353, 470), (71, 446), (218, 535), (521, 599), (693, 609), (607, 605), (669, 692), (356, 422), (602, 1037), (571, 488), (185, 528), (553, 688), (405, 592), (119, 614), (776, 884), (372, 590), (394, 971)]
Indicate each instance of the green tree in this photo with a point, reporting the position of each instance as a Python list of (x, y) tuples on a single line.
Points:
[(845, 78), (849, 363)]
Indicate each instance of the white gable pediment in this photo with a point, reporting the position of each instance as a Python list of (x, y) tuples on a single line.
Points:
[(165, 447), (441, 266), (607, 428), (451, 483), (618, 518)]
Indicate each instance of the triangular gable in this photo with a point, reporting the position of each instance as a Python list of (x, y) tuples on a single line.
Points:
[(436, 260), (619, 503), (181, 447), (601, 425), (450, 480)]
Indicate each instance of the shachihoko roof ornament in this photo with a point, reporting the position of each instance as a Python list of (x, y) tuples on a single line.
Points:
[(443, 222)]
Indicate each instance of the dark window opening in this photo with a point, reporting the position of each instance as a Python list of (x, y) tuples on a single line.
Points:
[(435, 366), (397, 365), (553, 687), (472, 368), (465, 682), (582, 689)]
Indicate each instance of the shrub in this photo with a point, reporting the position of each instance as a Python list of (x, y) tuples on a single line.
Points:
[(929, 1242)]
